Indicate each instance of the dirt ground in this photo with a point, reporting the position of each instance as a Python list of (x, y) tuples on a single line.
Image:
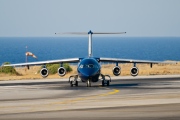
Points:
[(144, 69)]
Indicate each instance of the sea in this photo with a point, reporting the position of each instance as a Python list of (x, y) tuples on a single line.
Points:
[(13, 49)]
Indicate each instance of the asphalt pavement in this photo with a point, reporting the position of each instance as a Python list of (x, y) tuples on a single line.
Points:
[(128, 98)]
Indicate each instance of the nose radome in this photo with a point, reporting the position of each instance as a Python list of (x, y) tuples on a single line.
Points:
[(88, 73), (85, 75)]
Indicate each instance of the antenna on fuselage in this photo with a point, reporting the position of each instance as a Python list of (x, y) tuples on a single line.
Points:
[(90, 37)]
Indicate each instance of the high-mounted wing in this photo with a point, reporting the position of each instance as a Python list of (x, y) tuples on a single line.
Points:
[(70, 60), (133, 61), (134, 70)]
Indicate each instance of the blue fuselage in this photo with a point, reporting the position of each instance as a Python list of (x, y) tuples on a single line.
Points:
[(89, 69)]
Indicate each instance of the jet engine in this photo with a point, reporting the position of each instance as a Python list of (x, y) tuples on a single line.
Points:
[(134, 71), (61, 71), (44, 72), (116, 70)]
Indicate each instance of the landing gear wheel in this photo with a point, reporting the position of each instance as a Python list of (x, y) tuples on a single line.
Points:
[(108, 83), (76, 83), (88, 83), (71, 83), (102, 82)]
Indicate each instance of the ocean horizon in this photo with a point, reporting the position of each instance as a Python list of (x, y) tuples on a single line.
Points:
[(13, 49)]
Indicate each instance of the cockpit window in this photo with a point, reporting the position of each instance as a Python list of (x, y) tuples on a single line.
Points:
[(81, 66), (88, 66)]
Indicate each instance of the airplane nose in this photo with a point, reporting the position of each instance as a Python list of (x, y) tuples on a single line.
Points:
[(88, 73), (84, 74)]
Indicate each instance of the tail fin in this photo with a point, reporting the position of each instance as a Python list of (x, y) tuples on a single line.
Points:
[(90, 37)]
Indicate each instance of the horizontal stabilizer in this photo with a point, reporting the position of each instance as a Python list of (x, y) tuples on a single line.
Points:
[(109, 32), (73, 33), (90, 32)]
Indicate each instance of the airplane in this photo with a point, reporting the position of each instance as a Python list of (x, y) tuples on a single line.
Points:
[(89, 68)]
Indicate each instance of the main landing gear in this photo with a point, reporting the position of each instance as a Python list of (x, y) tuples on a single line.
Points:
[(104, 80), (73, 80)]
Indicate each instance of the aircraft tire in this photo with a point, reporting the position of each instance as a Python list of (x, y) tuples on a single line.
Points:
[(76, 83), (71, 83), (108, 83), (102, 82)]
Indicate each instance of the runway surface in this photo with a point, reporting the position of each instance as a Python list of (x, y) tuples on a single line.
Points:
[(127, 98)]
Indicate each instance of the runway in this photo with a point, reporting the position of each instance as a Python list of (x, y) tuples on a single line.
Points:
[(128, 98)]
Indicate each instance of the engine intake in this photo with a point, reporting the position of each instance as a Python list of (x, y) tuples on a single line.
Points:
[(116, 70), (44, 72), (134, 71), (61, 71)]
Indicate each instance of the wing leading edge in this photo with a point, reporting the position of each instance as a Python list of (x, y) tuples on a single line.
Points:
[(75, 60), (133, 61), (70, 60)]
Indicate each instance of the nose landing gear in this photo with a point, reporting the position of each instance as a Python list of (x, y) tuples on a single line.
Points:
[(88, 83)]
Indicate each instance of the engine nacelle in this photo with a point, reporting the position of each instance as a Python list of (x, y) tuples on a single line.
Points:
[(134, 71), (116, 70), (44, 72), (61, 71)]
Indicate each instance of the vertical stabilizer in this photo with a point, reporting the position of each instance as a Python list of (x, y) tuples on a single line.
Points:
[(90, 44), (90, 37)]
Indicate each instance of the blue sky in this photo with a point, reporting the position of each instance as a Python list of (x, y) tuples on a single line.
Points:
[(24, 18)]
